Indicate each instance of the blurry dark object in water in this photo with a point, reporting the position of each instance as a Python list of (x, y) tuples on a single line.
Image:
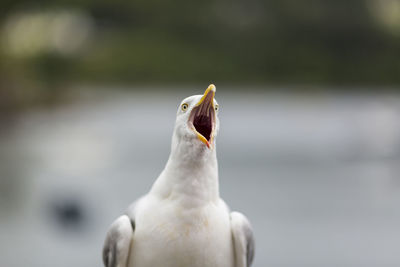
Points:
[(68, 213)]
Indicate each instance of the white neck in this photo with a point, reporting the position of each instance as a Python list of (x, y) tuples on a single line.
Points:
[(190, 175)]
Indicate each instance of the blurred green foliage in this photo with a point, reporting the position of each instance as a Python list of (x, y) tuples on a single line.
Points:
[(317, 42)]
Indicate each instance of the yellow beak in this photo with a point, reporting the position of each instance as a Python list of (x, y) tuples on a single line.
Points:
[(211, 89)]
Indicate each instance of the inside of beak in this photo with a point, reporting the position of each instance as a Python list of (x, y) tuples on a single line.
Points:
[(202, 117)]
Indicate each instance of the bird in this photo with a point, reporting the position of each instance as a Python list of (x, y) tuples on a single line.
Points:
[(182, 221)]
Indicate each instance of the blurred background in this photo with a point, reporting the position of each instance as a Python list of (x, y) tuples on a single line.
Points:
[(309, 109)]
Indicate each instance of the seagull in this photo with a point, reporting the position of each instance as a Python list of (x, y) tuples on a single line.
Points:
[(182, 221)]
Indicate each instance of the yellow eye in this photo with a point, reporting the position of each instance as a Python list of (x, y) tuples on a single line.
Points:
[(216, 107), (184, 106)]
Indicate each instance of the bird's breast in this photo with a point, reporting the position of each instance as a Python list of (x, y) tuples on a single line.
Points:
[(171, 235)]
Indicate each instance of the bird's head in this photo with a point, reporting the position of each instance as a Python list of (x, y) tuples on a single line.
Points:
[(197, 119)]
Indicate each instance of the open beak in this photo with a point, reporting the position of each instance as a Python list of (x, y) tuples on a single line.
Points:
[(202, 117)]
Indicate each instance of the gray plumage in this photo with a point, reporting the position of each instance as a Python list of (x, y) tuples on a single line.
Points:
[(250, 244), (243, 239), (118, 241)]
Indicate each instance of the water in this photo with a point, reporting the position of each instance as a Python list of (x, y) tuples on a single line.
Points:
[(317, 176)]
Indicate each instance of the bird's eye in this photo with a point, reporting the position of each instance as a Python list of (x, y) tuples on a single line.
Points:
[(184, 106), (216, 107)]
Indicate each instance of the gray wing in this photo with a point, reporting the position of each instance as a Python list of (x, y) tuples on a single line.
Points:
[(243, 239), (118, 242)]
